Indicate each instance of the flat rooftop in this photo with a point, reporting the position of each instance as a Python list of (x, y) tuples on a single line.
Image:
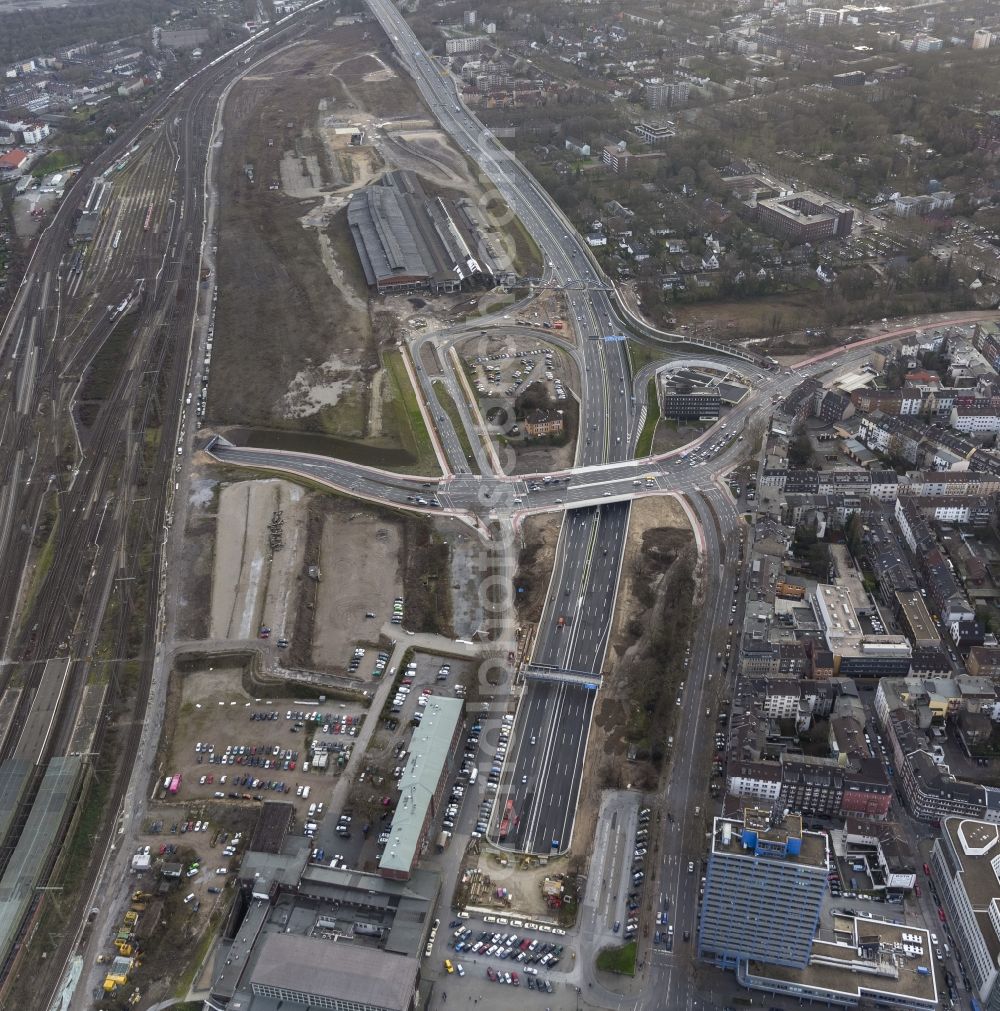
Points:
[(854, 381), (812, 852), (874, 958), (784, 205), (430, 748), (351, 973), (977, 844), (917, 616)]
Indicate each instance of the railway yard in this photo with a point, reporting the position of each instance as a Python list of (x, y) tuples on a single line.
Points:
[(283, 623), (96, 363)]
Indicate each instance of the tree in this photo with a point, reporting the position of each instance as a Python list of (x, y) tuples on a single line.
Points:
[(800, 451), (853, 532), (535, 398)]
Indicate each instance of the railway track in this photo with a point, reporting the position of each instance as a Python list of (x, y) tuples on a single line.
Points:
[(85, 588)]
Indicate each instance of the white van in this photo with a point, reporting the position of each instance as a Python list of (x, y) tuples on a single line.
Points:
[(312, 810), (305, 792)]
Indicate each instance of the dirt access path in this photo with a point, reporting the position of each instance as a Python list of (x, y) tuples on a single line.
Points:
[(606, 765), (253, 585)]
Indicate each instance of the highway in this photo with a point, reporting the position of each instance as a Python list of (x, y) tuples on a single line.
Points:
[(592, 543), (109, 497), (538, 794)]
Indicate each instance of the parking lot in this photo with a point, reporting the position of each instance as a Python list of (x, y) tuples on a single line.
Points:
[(485, 955), (510, 371), (231, 748), (516, 958), (201, 844), (373, 796)]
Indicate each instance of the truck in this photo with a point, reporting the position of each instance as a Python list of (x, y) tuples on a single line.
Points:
[(505, 821), (473, 775), (442, 840), (175, 783)]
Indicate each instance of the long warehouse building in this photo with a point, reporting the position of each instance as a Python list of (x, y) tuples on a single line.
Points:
[(409, 241)]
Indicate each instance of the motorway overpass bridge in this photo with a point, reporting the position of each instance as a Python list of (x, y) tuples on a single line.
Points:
[(558, 675)]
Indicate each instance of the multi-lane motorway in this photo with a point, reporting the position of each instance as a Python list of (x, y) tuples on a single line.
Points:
[(87, 488)]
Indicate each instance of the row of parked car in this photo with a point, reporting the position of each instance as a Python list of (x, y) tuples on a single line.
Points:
[(512, 979), (500, 755), (526, 950), (397, 611), (633, 901), (259, 756)]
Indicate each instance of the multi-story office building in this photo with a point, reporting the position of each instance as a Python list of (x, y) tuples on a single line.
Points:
[(695, 404), (805, 217), (965, 863), (764, 886)]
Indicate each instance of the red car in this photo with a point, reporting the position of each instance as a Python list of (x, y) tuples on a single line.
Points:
[(941, 916), (916, 889), (491, 974), (927, 870)]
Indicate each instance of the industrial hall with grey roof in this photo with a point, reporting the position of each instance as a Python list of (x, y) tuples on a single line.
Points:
[(410, 241)]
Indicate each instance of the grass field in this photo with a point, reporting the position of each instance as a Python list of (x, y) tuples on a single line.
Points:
[(644, 445), (619, 960), (641, 355), (411, 430)]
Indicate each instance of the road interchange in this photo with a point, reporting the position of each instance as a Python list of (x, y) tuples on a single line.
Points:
[(595, 493)]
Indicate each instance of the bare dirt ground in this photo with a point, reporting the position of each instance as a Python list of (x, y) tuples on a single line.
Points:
[(360, 565), (294, 343), (668, 437), (657, 512), (469, 571), (193, 607), (606, 765), (522, 878), (430, 153), (252, 584), (297, 339), (26, 225), (757, 316), (540, 535)]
